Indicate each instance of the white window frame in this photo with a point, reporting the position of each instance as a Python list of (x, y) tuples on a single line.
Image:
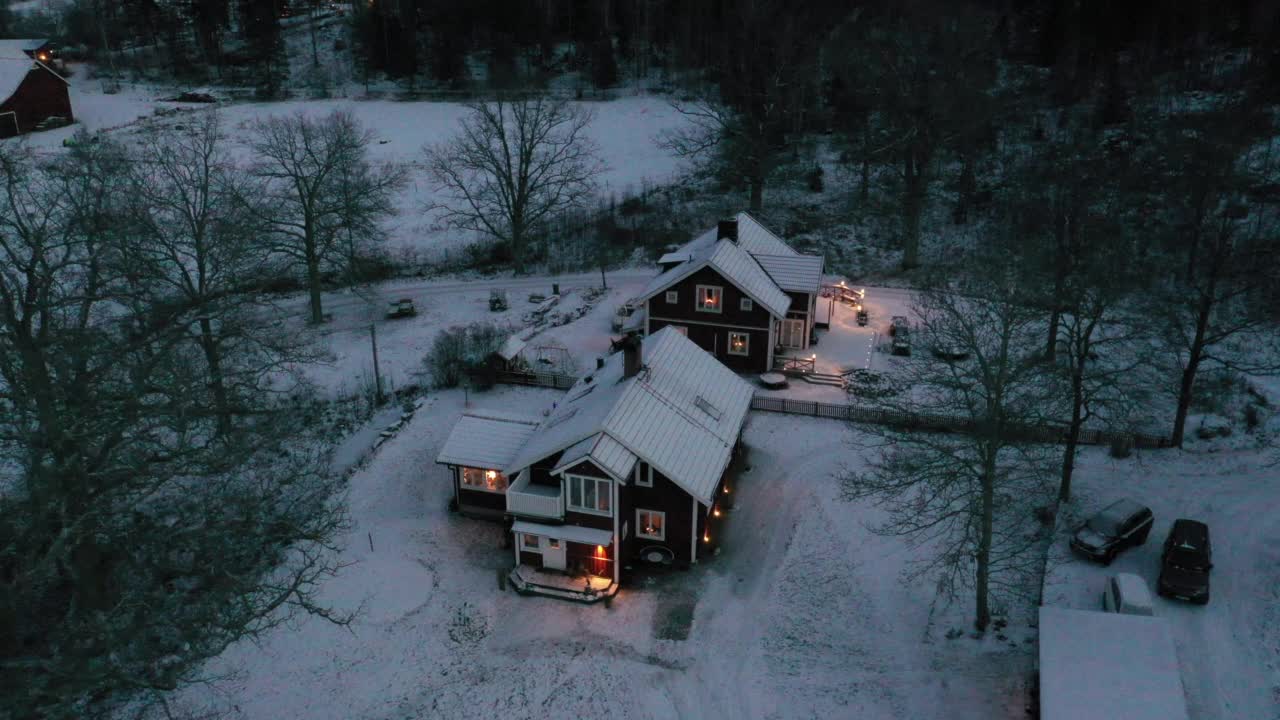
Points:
[(746, 345), (673, 297), (645, 478), (462, 480), (581, 481), (746, 304), (524, 543), (701, 293), (662, 532)]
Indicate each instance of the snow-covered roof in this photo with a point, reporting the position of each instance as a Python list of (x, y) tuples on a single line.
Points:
[(1106, 666), (757, 239), (608, 454), (737, 266), (681, 414), (674, 257), (1134, 589), (10, 48), (486, 439), (572, 533), (12, 72), (512, 347), (796, 272)]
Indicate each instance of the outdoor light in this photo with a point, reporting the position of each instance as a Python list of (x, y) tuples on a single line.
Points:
[(706, 538), (715, 511), (600, 550), (726, 489)]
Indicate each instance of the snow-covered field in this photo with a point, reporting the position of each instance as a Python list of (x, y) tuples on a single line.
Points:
[(625, 131), (800, 616), (1229, 650)]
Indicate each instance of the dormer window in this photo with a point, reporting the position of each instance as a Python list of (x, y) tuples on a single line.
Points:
[(710, 298)]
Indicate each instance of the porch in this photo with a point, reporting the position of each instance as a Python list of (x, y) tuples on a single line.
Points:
[(581, 587)]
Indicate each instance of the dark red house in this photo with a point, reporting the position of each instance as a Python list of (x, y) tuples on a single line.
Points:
[(32, 92), (627, 468), (739, 292)]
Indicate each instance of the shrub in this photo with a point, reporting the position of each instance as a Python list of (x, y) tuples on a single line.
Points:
[(459, 350)]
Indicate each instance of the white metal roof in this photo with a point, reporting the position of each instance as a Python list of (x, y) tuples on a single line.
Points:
[(757, 239), (737, 266), (796, 272), (1105, 666), (659, 416), (572, 533), (604, 451), (486, 439)]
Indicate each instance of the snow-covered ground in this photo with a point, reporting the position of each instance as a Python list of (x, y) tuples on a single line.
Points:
[(800, 616), (625, 131), (1229, 650)]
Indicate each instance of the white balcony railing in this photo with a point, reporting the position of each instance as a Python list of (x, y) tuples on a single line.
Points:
[(528, 499)]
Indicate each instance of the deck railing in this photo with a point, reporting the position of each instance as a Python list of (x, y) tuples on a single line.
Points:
[(785, 364), (543, 501)]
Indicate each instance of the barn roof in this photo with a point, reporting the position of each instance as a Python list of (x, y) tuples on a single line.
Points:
[(12, 72), (681, 414), (12, 48), (737, 266)]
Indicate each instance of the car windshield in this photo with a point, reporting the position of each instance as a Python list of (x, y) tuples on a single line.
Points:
[(1187, 559)]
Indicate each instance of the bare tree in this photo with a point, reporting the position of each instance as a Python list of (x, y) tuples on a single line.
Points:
[(514, 163), (137, 540), (1219, 249), (195, 255), (316, 188), (968, 497)]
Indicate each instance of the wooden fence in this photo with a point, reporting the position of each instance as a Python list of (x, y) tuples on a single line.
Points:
[(942, 423), (537, 379)]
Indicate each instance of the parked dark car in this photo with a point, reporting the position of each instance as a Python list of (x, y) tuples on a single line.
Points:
[(1185, 562), (1123, 523)]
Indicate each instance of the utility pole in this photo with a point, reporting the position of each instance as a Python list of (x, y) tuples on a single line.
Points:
[(377, 376)]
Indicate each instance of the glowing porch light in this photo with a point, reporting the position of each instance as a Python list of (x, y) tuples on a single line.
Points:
[(706, 538), (715, 511), (599, 551)]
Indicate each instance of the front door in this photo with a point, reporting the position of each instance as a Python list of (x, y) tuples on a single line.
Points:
[(792, 334), (553, 554)]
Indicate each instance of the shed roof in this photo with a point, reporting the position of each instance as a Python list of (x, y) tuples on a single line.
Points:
[(681, 414), (1107, 666), (737, 266), (796, 272), (486, 439)]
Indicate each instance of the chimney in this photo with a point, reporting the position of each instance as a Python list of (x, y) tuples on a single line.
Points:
[(727, 230), (630, 356)]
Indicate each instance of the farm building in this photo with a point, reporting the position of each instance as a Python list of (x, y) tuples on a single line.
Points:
[(628, 467), (32, 91)]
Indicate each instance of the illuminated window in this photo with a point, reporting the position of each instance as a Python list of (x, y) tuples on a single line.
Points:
[(739, 343), (589, 495), (486, 480), (673, 297), (651, 524), (745, 305), (531, 542), (710, 298)]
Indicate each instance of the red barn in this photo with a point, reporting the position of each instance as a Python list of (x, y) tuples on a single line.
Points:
[(32, 92)]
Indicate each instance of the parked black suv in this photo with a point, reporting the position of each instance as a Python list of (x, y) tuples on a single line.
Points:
[(1185, 562), (1117, 526)]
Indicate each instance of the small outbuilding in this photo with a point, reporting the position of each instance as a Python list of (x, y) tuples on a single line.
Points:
[(31, 92)]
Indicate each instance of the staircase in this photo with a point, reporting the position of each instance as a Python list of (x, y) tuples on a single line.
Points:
[(817, 378)]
